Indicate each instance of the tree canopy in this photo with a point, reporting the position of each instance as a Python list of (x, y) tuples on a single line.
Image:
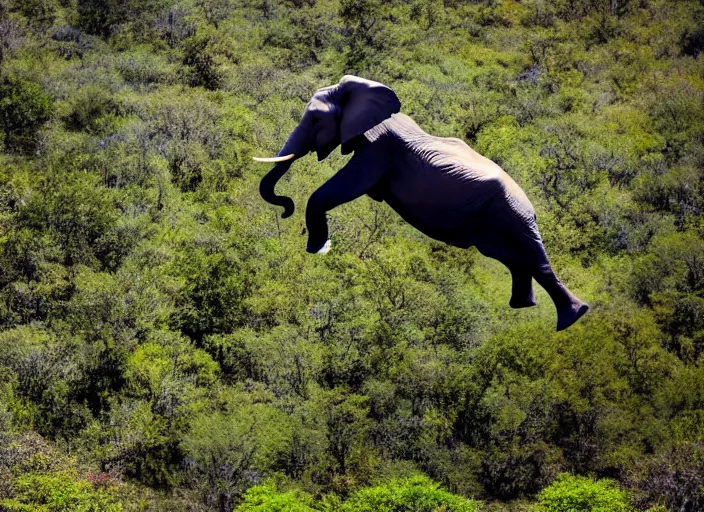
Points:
[(167, 344)]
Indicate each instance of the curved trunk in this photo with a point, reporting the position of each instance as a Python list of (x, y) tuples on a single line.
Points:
[(294, 144), (266, 188)]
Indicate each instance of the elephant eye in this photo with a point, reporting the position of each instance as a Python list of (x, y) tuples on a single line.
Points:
[(315, 121)]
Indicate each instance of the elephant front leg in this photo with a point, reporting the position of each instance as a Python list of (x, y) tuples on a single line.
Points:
[(317, 224), (359, 176)]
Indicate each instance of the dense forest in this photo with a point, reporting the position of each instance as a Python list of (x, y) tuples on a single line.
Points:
[(166, 343)]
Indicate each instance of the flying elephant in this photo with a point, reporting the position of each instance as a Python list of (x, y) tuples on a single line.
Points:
[(439, 185)]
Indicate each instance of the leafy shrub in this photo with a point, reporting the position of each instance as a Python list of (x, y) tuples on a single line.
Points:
[(100, 17), (24, 108), (187, 132), (673, 478), (414, 494), (515, 471), (174, 26), (582, 494), (229, 452), (75, 212), (417, 494), (97, 17), (58, 492), (69, 42), (93, 109), (144, 68), (360, 19), (693, 41), (215, 11), (40, 12), (206, 56), (265, 498)]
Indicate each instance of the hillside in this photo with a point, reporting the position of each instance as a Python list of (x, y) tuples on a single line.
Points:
[(166, 343)]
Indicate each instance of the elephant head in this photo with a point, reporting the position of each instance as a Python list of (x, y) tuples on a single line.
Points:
[(335, 115)]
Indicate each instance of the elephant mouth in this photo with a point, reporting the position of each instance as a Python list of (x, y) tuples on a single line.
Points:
[(273, 159), (324, 152)]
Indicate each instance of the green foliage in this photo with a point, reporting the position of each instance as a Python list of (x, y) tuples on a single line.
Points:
[(207, 55), (673, 477), (41, 12), (265, 498), (582, 494), (416, 493), (37, 476), (228, 450), (101, 18), (93, 109), (160, 323), (76, 214), (347, 434), (24, 108), (58, 492), (360, 18)]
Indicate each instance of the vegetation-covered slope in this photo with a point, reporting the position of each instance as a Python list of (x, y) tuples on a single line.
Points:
[(166, 343)]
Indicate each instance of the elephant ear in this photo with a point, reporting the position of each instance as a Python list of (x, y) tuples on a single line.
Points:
[(364, 105)]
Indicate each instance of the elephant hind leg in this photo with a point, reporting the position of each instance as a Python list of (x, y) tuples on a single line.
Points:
[(520, 251), (569, 307), (504, 250), (522, 295)]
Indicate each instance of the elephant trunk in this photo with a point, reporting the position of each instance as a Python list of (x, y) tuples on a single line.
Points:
[(295, 148), (266, 188)]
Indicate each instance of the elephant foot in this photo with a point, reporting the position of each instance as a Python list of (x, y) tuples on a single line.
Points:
[(565, 318), (323, 250), (523, 303)]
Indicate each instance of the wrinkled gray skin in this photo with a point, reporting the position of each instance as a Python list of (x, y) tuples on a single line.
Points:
[(440, 186)]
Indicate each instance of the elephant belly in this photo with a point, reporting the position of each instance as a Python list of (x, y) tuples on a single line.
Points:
[(462, 213), (440, 225), (438, 203)]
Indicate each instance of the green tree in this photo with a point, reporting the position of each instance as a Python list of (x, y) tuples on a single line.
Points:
[(228, 451), (361, 19)]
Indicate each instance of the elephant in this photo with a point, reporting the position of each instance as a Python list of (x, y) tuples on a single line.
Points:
[(440, 186)]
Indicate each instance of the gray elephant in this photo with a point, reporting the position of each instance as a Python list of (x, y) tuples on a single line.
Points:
[(440, 186)]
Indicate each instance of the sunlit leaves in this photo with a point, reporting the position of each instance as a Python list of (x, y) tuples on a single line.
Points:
[(162, 323)]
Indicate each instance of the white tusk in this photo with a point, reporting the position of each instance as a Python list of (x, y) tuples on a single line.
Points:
[(273, 159)]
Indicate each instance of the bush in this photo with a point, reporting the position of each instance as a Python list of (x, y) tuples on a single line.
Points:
[(76, 213), (515, 471), (414, 494), (93, 109), (187, 132), (58, 492), (40, 12), (100, 17), (24, 108), (582, 494), (673, 478), (207, 55), (229, 452), (417, 494), (265, 498)]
